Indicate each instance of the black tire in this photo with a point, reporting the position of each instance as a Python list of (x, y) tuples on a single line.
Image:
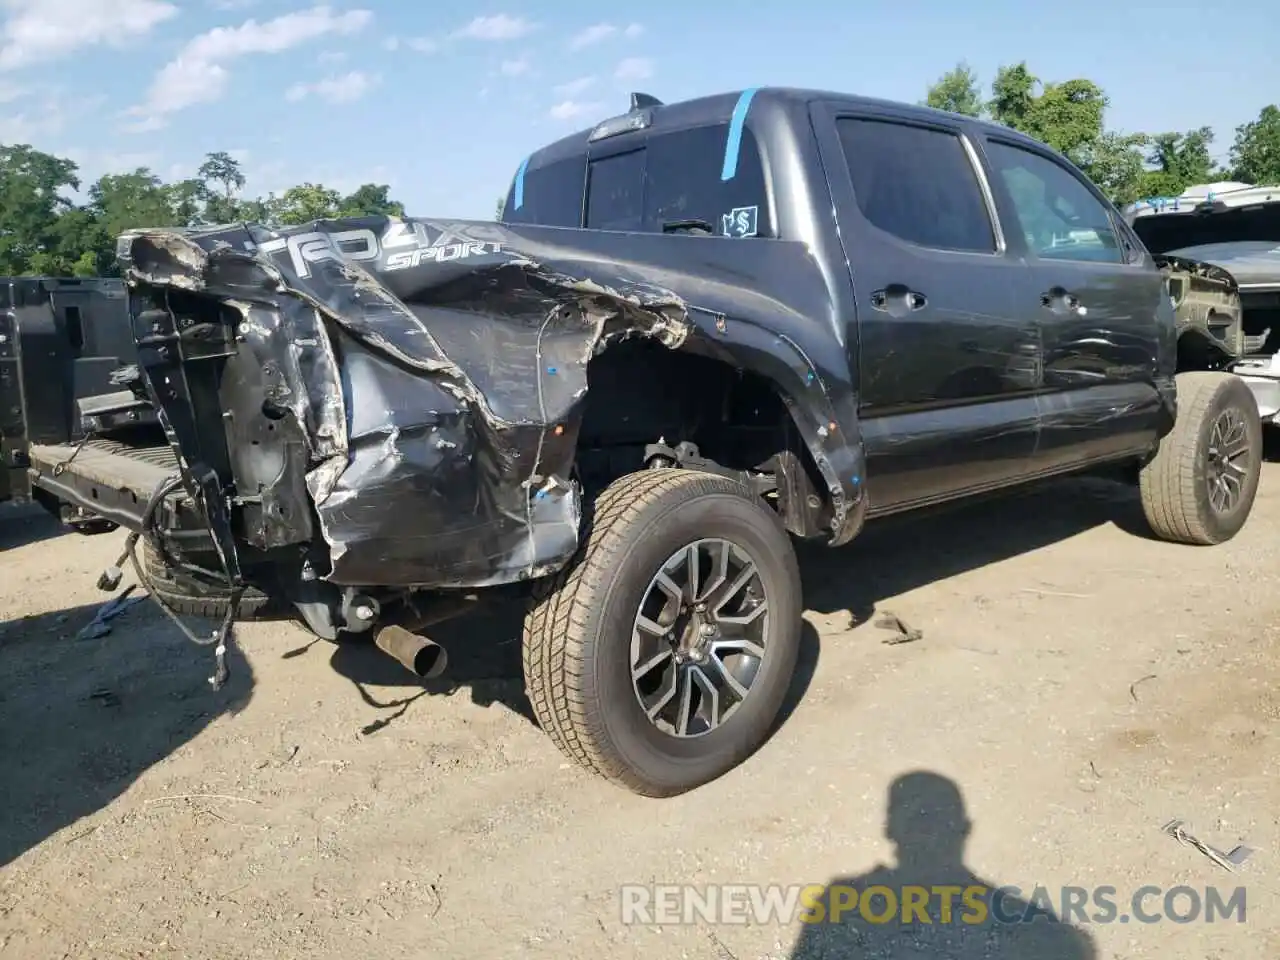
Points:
[(1176, 484), (577, 634), (192, 596)]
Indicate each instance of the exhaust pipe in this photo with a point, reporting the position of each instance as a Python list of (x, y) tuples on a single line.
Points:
[(420, 656)]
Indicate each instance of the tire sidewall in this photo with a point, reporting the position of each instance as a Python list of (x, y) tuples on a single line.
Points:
[(1231, 392), (666, 761)]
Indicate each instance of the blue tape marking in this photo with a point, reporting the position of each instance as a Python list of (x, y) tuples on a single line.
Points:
[(734, 142), (519, 191)]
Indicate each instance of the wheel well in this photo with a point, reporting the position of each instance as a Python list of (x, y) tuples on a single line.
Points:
[(1200, 351), (641, 393)]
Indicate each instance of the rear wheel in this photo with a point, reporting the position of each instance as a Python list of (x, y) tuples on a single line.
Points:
[(660, 657), (1200, 487), (190, 595)]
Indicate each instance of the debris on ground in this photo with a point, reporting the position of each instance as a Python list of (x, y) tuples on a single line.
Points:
[(1228, 861), (904, 632), (1133, 687), (106, 696), (100, 625)]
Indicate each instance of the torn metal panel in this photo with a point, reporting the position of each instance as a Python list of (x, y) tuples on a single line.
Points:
[(411, 390), (1206, 299)]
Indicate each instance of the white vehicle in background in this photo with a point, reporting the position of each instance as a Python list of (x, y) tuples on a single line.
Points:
[(1221, 245)]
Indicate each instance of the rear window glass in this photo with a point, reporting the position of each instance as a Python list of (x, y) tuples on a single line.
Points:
[(552, 195), (675, 179), (615, 192)]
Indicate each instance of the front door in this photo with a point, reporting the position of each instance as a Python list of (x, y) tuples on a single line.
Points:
[(948, 359), (1097, 295)]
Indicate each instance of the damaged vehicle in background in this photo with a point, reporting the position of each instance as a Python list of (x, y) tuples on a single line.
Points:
[(1219, 243), (701, 329)]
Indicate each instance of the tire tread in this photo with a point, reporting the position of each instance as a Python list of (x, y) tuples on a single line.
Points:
[(557, 637), (1167, 485)]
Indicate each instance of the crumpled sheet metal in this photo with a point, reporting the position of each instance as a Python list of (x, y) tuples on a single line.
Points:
[(435, 374)]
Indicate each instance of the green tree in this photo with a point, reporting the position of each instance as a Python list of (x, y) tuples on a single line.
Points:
[(958, 91), (502, 206), (1115, 163), (1255, 155), (31, 200), (307, 202), (1067, 116), (1177, 161), (76, 246), (186, 201), (370, 199), (1012, 95), (125, 201), (223, 180)]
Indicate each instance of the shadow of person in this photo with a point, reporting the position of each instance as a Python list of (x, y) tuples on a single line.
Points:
[(930, 904)]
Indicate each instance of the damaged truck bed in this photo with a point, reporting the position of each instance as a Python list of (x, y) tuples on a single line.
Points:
[(702, 329), (423, 426)]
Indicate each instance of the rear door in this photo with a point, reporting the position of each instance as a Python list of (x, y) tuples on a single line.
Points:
[(948, 357), (1096, 293)]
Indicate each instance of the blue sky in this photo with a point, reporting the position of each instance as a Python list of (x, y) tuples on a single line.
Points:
[(442, 99)]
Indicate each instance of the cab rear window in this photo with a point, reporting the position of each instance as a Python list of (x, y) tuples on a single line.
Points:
[(552, 195), (675, 178)]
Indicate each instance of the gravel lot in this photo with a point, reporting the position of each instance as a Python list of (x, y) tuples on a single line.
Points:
[(1077, 686)]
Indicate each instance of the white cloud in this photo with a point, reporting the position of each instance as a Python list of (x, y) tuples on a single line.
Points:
[(575, 87), (344, 89), (498, 27), (633, 30), (40, 30), (277, 35), (572, 109), (515, 68), (417, 44), (332, 56), (30, 128), (198, 73), (634, 68), (592, 35)]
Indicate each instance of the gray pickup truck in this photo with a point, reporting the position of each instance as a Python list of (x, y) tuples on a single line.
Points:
[(701, 329)]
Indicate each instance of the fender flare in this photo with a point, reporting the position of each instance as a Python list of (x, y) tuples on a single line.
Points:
[(821, 403)]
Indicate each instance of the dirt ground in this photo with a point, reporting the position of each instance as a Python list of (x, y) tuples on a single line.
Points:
[(1077, 684)]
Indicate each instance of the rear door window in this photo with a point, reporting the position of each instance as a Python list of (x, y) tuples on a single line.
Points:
[(917, 183)]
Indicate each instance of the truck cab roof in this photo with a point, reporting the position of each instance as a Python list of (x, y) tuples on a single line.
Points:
[(753, 133), (719, 108)]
